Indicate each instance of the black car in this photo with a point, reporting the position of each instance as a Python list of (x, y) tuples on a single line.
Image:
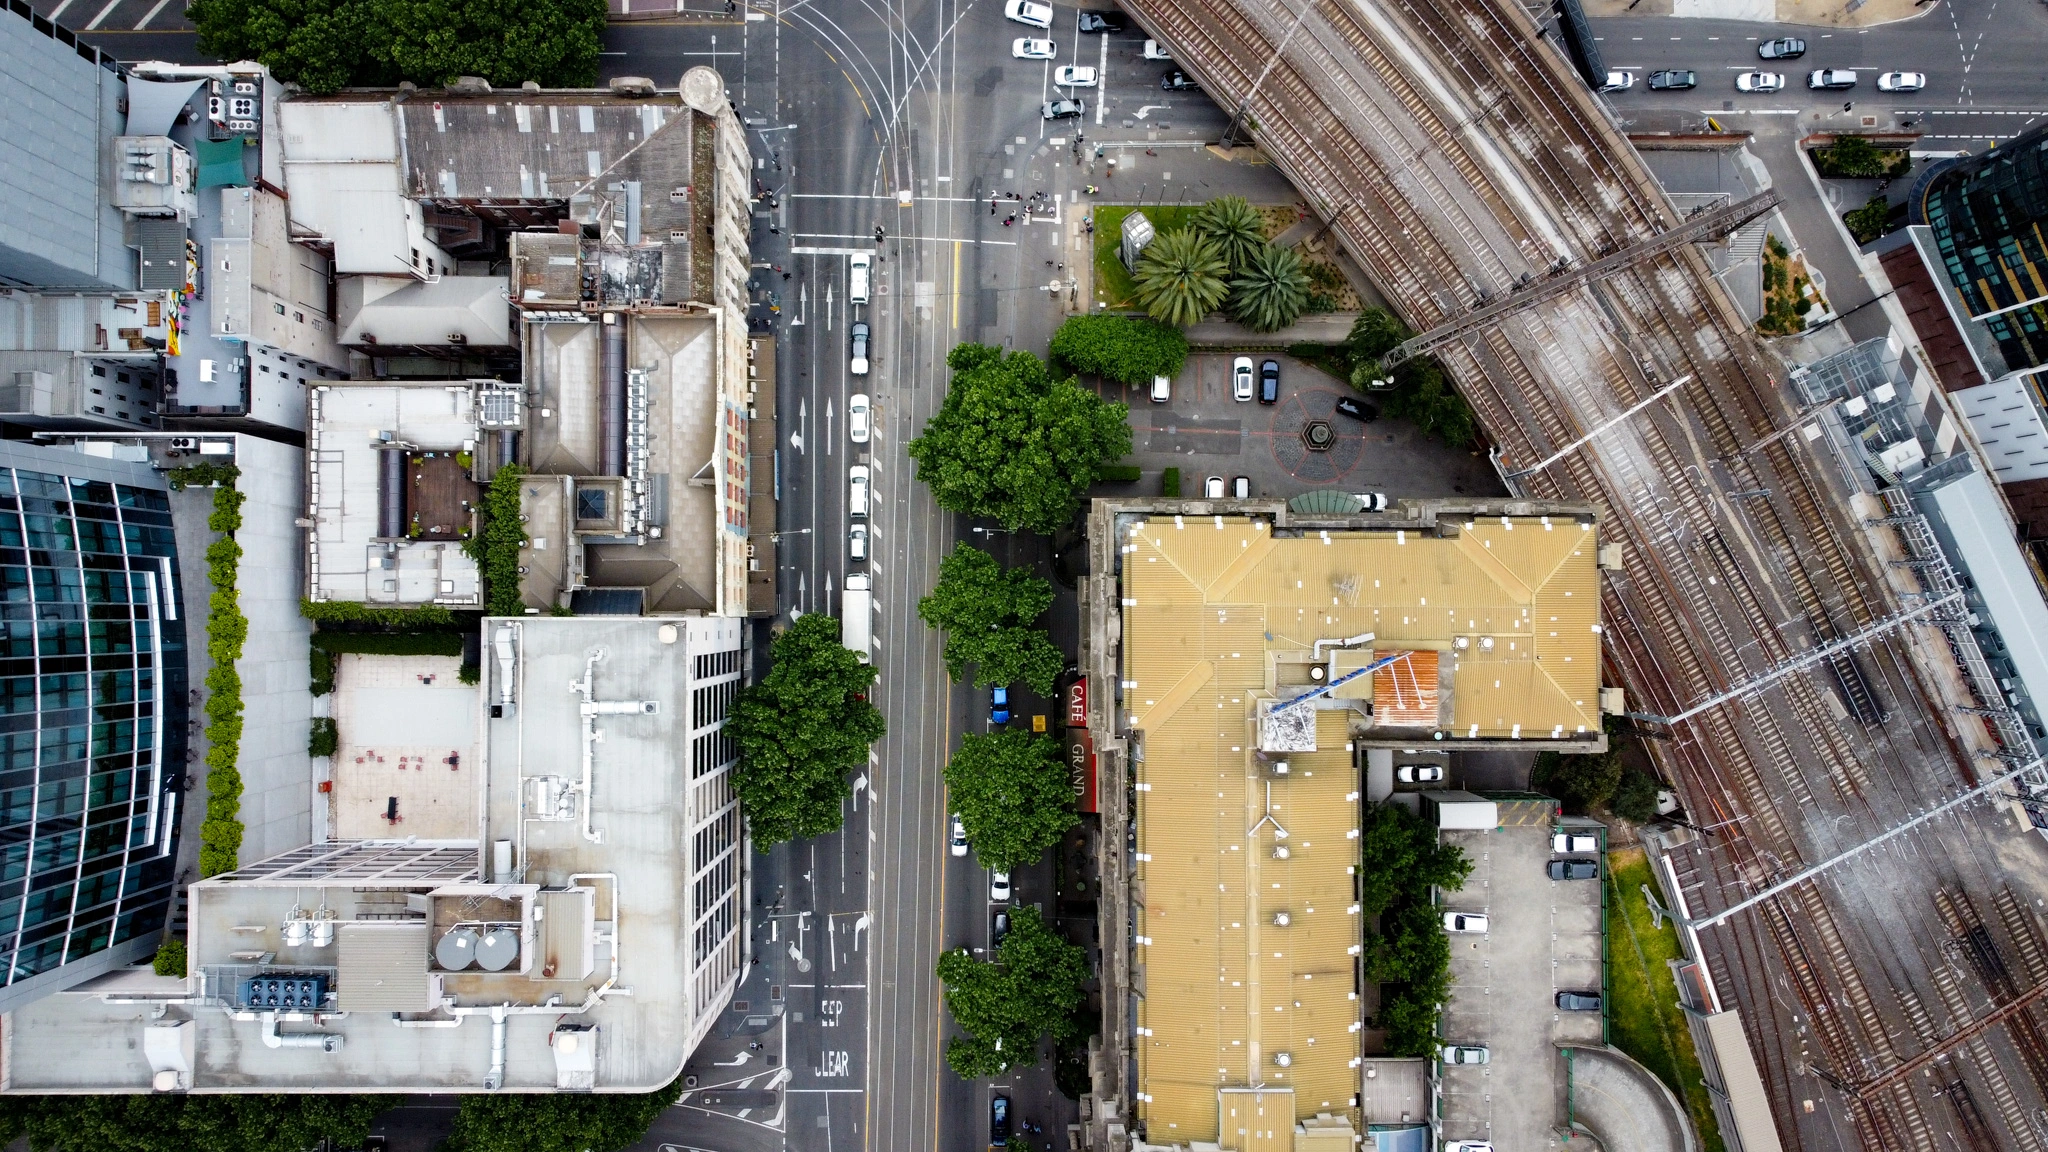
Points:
[(998, 929), (1576, 1002), (1573, 869), (1673, 80), (1785, 48), (1104, 22), (1357, 409), (1269, 382), (999, 1120), (1178, 81)]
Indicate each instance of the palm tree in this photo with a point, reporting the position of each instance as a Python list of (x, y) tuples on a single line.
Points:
[(1236, 227), (1180, 277), (1270, 291)]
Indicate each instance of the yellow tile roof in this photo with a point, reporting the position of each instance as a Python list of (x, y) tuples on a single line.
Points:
[(1208, 602)]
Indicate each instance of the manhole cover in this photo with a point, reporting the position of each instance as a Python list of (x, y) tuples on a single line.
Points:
[(1317, 436)]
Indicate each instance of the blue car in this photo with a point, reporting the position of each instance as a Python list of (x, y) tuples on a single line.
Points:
[(999, 706)]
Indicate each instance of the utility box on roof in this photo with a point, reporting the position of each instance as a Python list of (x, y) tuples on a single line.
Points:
[(1460, 810)]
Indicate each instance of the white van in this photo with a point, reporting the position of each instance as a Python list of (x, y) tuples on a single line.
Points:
[(856, 612), (857, 277), (857, 492)]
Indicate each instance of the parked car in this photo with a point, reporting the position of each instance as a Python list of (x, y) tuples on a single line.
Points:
[(1062, 109), (1468, 1146), (999, 887), (1673, 80), (1830, 79), (858, 364), (1579, 1001), (998, 927), (1573, 869), (1154, 50), (1241, 488), (1372, 501), (857, 542), (1073, 76), (1241, 378), (1025, 48), (1162, 389), (1760, 82), (999, 705), (857, 492), (1212, 488), (1574, 842), (1029, 12), (1178, 81), (1357, 409), (1103, 22), (1783, 48), (1464, 922), (857, 416), (1419, 773), (1269, 382), (999, 1121), (1901, 82), (1619, 82), (957, 844), (1465, 1054)]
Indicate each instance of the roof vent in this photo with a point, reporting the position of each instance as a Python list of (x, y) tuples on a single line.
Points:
[(1280, 852), (1282, 919), (1284, 1059)]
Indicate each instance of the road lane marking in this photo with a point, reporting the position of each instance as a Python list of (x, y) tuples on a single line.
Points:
[(104, 13), (144, 22), (916, 239)]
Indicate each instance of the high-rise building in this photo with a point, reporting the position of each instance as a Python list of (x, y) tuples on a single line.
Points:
[(1986, 215), (61, 229), (92, 716)]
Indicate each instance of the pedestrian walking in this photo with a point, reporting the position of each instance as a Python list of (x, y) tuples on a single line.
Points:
[(1009, 220)]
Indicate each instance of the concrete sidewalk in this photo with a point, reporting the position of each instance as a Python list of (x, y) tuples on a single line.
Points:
[(1322, 328), (1814, 13)]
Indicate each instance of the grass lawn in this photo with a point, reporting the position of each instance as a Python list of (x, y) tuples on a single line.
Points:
[(1644, 1019), (1113, 285)]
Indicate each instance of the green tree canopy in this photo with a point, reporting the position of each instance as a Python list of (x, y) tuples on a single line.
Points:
[(989, 615), (1578, 781), (1635, 798), (323, 45), (1410, 945), (1126, 349), (1375, 333), (1400, 856), (1013, 796), (1423, 396), (800, 731), (1012, 443), (1180, 277), (558, 1122), (1271, 289), (495, 547), (181, 1123), (1032, 990), (1235, 227)]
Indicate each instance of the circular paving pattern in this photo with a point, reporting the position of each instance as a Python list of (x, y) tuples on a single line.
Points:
[(1291, 426)]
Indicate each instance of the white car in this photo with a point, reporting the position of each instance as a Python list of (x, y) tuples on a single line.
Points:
[(1468, 1146), (1241, 378), (1028, 49), (958, 844), (1212, 488), (1466, 1054), (1419, 773), (1029, 12), (1464, 922), (1901, 82), (1372, 501), (857, 492), (857, 361), (1619, 82), (857, 542), (1073, 76), (999, 887), (1760, 82), (1154, 50), (1162, 389), (1571, 842), (857, 417)]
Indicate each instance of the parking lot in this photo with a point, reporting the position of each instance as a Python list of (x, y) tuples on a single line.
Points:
[(1543, 937), (1204, 432)]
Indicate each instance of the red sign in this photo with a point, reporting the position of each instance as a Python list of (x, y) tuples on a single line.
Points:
[(1081, 767), (1077, 704)]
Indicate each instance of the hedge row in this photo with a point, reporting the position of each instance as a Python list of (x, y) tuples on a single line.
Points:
[(325, 738), (495, 547), (425, 618), (220, 835)]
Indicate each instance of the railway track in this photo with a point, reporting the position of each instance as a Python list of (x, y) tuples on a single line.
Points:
[(1392, 172)]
